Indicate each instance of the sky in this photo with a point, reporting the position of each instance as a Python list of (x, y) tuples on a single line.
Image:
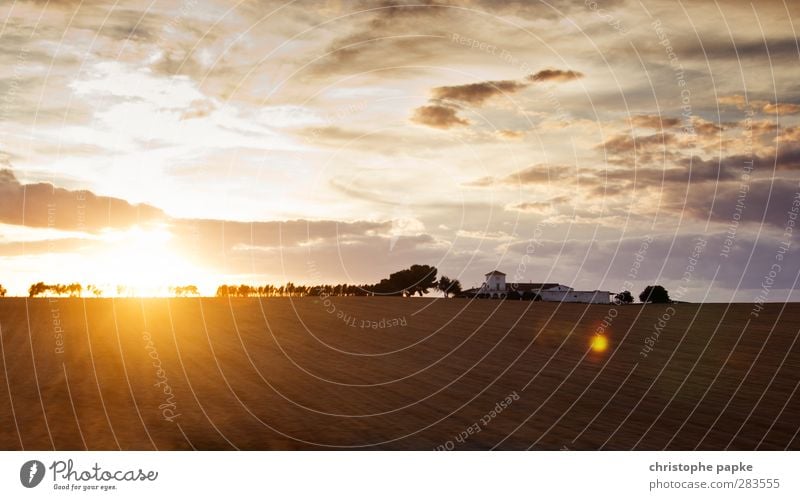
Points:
[(603, 145)]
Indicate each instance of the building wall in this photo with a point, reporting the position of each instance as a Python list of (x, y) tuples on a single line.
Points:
[(590, 297), (495, 283)]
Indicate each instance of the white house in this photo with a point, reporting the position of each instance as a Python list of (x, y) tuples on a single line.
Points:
[(495, 287), (495, 283), (587, 297)]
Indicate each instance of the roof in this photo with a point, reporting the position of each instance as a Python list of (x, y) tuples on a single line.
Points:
[(531, 286), (495, 272)]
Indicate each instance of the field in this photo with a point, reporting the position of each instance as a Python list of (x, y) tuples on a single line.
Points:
[(393, 373)]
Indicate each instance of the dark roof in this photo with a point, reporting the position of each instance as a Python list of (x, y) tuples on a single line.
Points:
[(495, 272), (531, 286)]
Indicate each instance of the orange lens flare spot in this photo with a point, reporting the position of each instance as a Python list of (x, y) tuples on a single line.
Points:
[(599, 343)]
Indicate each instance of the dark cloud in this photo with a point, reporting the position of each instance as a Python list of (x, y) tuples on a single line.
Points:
[(649, 177), (555, 75), (767, 200), (775, 49), (628, 149), (664, 260), (624, 144), (43, 205), (654, 121), (786, 158), (477, 93), (303, 250), (438, 116)]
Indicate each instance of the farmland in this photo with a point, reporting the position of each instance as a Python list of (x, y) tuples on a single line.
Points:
[(395, 373)]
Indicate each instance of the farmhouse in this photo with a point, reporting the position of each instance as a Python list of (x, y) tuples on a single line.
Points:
[(495, 287)]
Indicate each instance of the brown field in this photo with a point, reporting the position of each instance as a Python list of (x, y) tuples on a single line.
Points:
[(287, 374)]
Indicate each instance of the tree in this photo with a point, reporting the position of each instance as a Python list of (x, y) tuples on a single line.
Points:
[(37, 289), (624, 297), (656, 294), (94, 290), (418, 279), (448, 286), (184, 291), (3, 291), (74, 290)]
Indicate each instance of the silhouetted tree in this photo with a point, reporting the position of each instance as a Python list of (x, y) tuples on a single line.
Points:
[(96, 291), (624, 297), (184, 291), (656, 294), (37, 289), (418, 279), (74, 289), (3, 291), (448, 286)]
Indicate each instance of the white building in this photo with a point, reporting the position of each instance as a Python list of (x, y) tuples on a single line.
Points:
[(586, 297), (495, 283), (495, 287)]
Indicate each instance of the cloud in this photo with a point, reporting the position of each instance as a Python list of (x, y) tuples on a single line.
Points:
[(644, 149), (627, 143), (438, 116), (738, 101), (539, 207), (43, 205), (555, 75), (511, 135), (665, 261), (781, 108), (653, 121), (784, 159), (42, 218), (535, 174), (774, 48), (773, 108), (730, 203), (477, 93)]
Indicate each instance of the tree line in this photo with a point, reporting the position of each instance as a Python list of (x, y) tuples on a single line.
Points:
[(655, 294), (416, 280)]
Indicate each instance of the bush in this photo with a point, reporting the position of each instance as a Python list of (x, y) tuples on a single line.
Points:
[(655, 294)]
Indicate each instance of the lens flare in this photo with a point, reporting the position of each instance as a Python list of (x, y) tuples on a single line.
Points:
[(599, 343)]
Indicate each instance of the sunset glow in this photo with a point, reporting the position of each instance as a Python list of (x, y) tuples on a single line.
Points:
[(161, 143)]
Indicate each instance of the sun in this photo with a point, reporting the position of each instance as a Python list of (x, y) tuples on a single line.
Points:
[(141, 259), (599, 343)]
